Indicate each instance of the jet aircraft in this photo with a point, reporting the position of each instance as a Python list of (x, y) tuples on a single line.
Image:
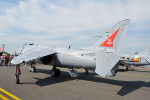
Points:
[(141, 59), (101, 57)]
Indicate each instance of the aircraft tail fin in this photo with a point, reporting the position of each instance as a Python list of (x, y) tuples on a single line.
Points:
[(114, 38), (145, 54), (2, 47), (107, 62)]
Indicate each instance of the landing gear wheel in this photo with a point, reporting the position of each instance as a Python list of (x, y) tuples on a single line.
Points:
[(18, 72), (127, 68), (55, 72), (17, 78), (33, 69), (17, 81)]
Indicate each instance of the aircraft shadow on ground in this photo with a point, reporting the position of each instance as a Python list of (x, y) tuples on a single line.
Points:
[(52, 80), (127, 86)]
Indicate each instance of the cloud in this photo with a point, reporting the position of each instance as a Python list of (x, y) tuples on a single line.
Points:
[(75, 21)]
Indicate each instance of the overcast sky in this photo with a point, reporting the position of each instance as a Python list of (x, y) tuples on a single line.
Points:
[(62, 23)]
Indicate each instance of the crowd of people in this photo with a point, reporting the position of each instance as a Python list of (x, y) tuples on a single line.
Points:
[(5, 60)]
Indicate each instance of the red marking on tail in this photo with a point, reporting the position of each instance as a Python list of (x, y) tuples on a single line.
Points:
[(109, 41), (1, 48)]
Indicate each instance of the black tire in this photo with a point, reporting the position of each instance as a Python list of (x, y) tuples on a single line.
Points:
[(55, 72), (17, 78), (127, 68), (17, 81)]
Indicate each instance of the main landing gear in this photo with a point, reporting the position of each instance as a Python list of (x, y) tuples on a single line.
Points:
[(55, 72), (17, 74)]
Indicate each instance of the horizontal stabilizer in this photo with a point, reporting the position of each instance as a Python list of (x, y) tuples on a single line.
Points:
[(105, 62)]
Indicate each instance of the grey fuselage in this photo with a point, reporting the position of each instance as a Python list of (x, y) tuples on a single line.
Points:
[(75, 59)]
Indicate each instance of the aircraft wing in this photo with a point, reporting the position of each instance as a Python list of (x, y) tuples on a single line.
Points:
[(35, 53)]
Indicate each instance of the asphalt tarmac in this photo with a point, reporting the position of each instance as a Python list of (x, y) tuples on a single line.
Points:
[(126, 85)]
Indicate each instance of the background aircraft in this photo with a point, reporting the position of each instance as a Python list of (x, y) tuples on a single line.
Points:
[(141, 59), (2, 50), (101, 57)]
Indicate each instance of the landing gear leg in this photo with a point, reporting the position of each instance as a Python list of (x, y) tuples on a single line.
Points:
[(17, 74), (32, 68), (55, 72)]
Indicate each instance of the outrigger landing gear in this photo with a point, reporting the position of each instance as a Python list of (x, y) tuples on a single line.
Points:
[(32, 68), (55, 72), (73, 73), (18, 72)]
